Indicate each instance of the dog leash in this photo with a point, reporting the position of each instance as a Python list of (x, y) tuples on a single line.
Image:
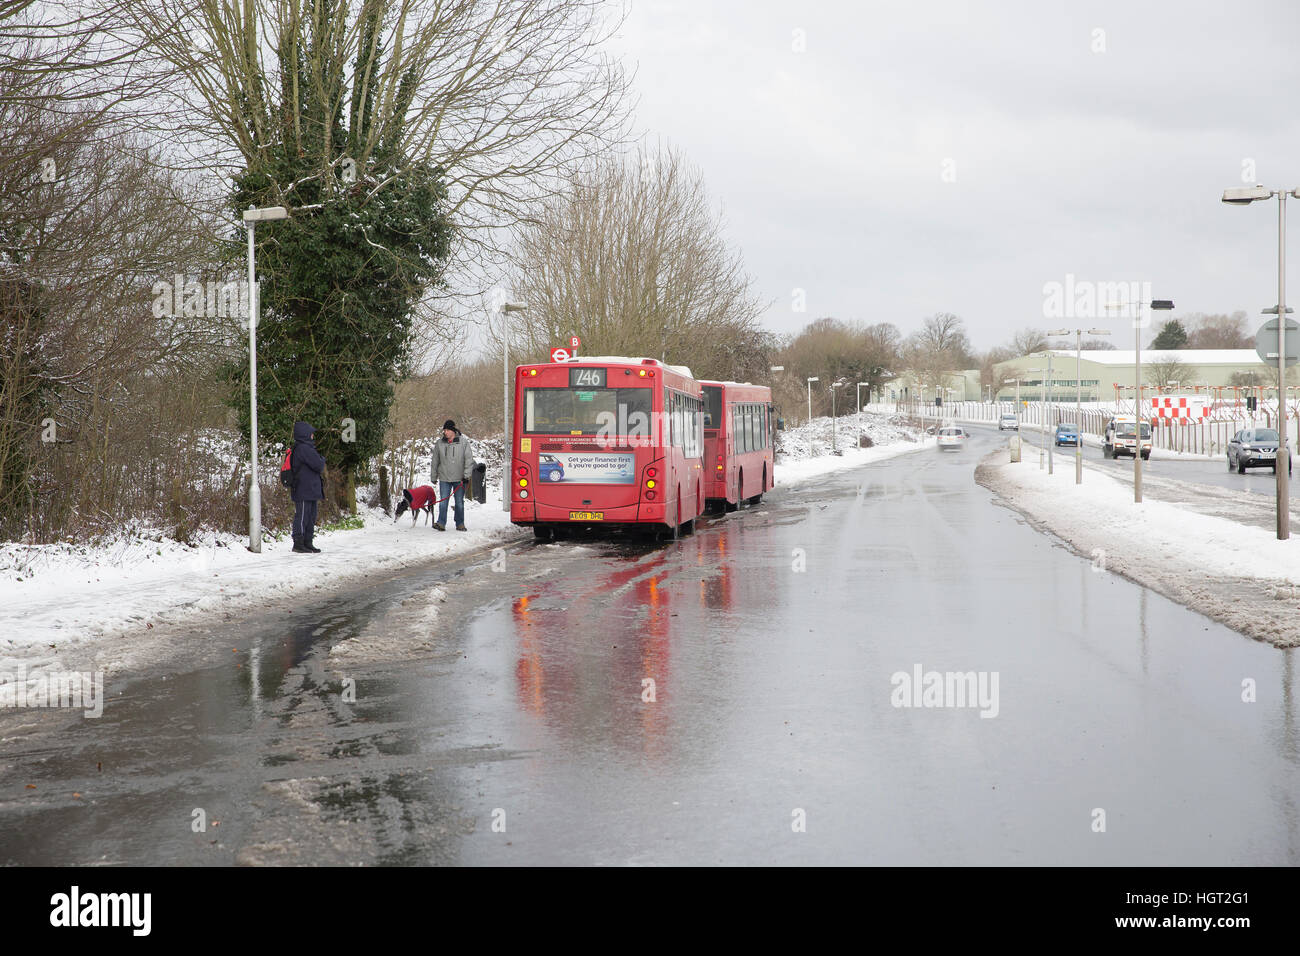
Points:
[(450, 494)]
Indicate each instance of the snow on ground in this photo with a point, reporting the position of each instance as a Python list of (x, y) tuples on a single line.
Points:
[(804, 452), (59, 597), (64, 598), (1239, 575)]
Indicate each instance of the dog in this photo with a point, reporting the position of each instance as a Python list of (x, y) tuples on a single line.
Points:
[(415, 500)]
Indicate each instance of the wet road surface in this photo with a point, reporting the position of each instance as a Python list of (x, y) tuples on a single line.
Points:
[(521, 727)]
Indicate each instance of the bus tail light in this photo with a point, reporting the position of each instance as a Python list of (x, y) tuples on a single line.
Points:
[(650, 483), (523, 471), (523, 482), (649, 496), (523, 494), (651, 472)]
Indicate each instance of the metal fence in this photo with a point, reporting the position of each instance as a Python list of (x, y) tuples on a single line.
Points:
[(1208, 437)]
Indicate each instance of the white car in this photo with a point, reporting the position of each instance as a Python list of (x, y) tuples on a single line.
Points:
[(1008, 421), (952, 437)]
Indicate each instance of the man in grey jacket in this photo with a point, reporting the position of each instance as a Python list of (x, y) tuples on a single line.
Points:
[(453, 463)]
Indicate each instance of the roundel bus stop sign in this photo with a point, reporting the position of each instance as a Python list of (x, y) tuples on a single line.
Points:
[(559, 355), (1266, 342)]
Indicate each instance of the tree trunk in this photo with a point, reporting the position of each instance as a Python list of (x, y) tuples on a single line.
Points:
[(345, 492)]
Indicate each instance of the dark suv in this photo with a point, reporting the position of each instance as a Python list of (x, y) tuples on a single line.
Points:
[(1253, 448)]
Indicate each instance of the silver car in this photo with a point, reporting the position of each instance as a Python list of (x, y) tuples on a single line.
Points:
[(952, 437), (1255, 448), (1008, 421)]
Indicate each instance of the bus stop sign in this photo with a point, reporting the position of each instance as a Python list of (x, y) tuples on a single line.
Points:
[(1266, 342)]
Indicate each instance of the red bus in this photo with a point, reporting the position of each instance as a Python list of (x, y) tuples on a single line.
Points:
[(608, 441), (739, 438)]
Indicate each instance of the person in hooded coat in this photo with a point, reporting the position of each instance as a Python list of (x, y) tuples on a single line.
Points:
[(308, 486)]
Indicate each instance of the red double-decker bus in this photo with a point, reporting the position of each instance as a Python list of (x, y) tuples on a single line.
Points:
[(607, 441), (739, 439)]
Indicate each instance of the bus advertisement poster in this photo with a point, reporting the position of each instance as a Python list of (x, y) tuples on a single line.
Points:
[(600, 468)]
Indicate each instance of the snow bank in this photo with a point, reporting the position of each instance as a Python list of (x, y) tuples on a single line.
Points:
[(1237, 574), (58, 597), (805, 452)]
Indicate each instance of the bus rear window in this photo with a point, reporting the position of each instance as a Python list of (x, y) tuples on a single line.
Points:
[(595, 411), (712, 406)]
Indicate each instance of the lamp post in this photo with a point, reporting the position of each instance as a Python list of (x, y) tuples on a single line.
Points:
[(1078, 396), (1008, 381), (1157, 305), (834, 420), (252, 216), (859, 415), (810, 381), (1042, 418), (1048, 409), (1242, 196), (506, 437)]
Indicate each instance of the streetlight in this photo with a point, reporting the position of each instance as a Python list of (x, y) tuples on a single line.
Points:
[(252, 216), (810, 381), (859, 416), (1041, 419), (1078, 398), (1050, 410), (1157, 305), (1008, 381), (1243, 196), (834, 422), (506, 437), (885, 375)]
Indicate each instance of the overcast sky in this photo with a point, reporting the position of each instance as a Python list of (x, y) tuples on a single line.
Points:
[(830, 163)]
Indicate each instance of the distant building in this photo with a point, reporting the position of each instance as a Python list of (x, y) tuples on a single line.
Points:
[(963, 386), (1100, 370)]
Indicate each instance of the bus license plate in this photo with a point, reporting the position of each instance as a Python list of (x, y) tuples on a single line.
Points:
[(586, 516)]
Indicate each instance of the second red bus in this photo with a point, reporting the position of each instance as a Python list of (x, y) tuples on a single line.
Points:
[(739, 439)]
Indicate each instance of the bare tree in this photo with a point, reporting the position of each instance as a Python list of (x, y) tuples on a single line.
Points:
[(945, 334), (82, 347), (1028, 340), (938, 348), (991, 362), (503, 95), (1218, 331), (633, 260), (831, 349), (1099, 345), (1165, 368), (63, 58)]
